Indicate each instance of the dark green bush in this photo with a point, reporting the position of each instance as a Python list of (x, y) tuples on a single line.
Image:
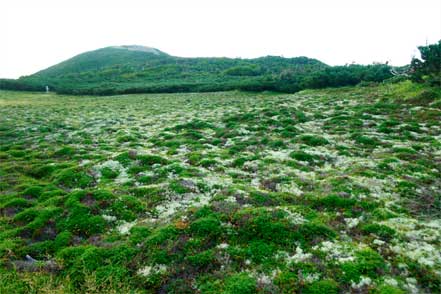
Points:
[(34, 191), (149, 160), (206, 226), (65, 151), (73, 178), (387, 289), (368, 263), (202, 259), (334, 201), (288, 282), (381, 231), (62, 240), (313, 140), (321, 287), (240, 283), (109, 173), (259, 250), (303, 156)]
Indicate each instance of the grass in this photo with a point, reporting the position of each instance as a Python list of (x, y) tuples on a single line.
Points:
[(324, 191)]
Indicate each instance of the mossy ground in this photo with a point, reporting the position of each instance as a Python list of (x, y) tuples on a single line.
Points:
[(330, 191)]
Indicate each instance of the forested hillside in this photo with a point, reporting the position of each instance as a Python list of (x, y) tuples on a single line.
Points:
[(137, 69)]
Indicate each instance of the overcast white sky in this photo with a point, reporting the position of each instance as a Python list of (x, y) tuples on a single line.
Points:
[(38, 34)]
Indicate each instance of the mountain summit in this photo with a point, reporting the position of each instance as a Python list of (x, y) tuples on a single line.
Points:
[(139, 48)]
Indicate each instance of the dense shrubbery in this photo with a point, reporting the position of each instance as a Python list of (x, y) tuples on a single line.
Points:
[(428, 68), (112, 71), (244, 79), (243, 71), (19, 85)]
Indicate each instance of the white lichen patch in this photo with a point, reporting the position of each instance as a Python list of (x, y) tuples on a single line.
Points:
[(298, 256), (109, 218), (294, 217), (364, 281), (222, 246), (291, 188), (339, 252), (123, 177), (352, 222), (421, 252), (178, 203), (149, 270), (279, 155), (124, 227)]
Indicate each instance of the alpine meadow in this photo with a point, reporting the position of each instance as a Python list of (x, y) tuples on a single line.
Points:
[(130, 170)]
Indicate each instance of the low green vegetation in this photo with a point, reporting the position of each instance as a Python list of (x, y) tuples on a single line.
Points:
[(322, 191)]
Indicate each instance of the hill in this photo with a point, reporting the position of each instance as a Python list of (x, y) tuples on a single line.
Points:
[(136, 69)]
